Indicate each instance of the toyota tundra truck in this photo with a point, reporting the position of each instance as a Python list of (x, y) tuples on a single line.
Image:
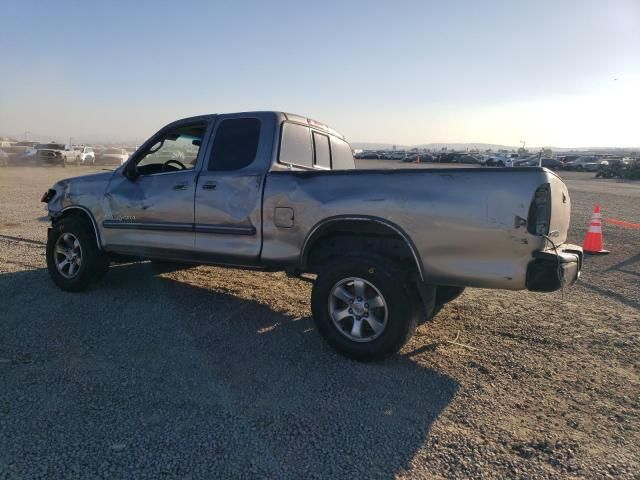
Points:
[(385, 249)]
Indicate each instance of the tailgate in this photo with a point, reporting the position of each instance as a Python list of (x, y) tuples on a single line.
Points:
[(560, 209)]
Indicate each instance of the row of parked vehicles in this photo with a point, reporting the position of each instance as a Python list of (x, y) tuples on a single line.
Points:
[(60, 154), (587, 163)]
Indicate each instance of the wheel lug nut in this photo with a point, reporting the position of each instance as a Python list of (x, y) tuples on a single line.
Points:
[(351, 301), (366, 305), (359, 299), (351, 310), (357, 318)]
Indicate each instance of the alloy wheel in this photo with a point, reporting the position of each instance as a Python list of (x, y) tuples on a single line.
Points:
[(358, 309)]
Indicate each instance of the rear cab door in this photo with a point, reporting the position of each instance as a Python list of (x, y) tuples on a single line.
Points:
[(228, 197)]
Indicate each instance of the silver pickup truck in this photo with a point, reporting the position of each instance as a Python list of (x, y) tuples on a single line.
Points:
[(275, 191)]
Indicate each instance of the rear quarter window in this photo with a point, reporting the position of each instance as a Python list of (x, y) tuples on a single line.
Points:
[(295, 147), (322, 151), (341, 155)]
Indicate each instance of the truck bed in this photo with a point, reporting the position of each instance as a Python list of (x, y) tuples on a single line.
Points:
[(465, 224)]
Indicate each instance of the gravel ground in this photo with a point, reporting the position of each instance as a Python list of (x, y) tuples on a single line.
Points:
[(213, 373)]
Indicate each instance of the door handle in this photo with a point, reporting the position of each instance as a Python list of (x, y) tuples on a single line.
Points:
[(180, 186), (209, 186)]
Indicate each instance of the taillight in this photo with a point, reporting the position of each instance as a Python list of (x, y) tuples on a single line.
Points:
[(540, 211), (48, 195)]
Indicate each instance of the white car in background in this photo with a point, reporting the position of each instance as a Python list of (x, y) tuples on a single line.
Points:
[(87, 155), (112, 156), (499, 160)]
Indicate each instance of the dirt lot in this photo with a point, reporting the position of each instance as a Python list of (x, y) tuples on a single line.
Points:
[(213, 373)]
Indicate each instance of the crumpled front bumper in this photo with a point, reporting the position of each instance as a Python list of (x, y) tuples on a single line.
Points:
[(551, 270)]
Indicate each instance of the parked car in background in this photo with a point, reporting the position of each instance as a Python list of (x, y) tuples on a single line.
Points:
[(497, 160), (459, 158), (4, 159), (87, 155), (584, 164), (368, 156), (19, 152), (415, 157), (28, 157), (526, 162), (552, 163), (56, 154), (111, 156), (172, 155)]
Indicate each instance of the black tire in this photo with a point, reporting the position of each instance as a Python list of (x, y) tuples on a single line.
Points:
[(94, 263), (401, 300)]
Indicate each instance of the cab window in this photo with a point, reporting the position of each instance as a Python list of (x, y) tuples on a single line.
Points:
[(235, 144), (174, 151)]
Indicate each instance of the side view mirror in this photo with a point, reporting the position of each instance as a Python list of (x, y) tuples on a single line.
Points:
[(131, 171)]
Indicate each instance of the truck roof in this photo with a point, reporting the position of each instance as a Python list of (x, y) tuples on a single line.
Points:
[(281, 116)]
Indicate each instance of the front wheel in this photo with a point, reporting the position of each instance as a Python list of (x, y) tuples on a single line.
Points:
[(73, 258), (364, 307)]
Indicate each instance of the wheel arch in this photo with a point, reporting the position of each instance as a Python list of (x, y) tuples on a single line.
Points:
[(81, 212), (352, 225)]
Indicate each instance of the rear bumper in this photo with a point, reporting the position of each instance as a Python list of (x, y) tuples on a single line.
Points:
[(550, 271)]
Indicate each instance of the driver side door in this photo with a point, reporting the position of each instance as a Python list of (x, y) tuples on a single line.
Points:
[(152, 213)]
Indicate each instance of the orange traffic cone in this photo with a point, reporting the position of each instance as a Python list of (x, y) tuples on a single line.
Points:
[(593, 240)]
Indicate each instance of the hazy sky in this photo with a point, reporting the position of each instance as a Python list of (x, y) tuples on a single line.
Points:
[(561, 73)]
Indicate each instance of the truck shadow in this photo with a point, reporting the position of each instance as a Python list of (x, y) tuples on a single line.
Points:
[(190, 380), (625, 263), (618, 297)]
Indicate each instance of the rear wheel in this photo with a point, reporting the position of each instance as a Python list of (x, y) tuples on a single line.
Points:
[(73, 258), (363, 307)]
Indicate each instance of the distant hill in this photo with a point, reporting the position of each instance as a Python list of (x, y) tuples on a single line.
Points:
[(432, 146), (484, 146)]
